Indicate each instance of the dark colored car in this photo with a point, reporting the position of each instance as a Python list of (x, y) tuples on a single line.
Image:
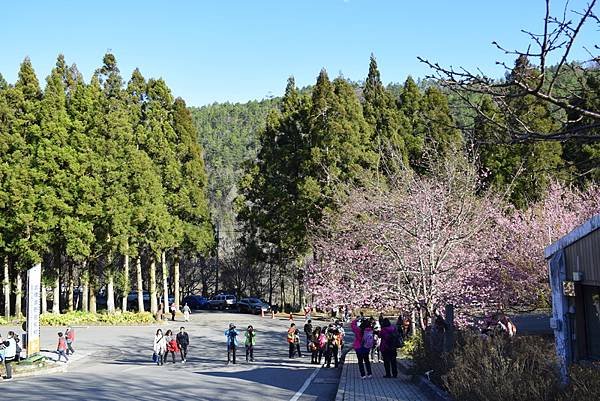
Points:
[(252, 305), (195, 302)]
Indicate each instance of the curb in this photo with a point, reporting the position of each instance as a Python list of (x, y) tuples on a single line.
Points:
[(40, 372), (339, 395), (433, 392)]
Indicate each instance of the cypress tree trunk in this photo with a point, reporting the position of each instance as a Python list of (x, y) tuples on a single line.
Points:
[(92, 287), (110, 292), (56, 294), (140, 284), (44, 298), (18, 295), (6, 289), (86, 288), (165, 275), (176, 278), (126, 285), (70, 301), (153, 305)]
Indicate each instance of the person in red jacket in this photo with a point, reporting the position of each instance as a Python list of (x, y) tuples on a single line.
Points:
[(172, 346), (61, 347), (70, 337)]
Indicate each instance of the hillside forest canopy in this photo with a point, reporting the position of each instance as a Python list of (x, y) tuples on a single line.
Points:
[(392, 196)]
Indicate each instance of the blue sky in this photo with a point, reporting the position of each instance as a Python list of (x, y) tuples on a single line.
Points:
[(226, 50)]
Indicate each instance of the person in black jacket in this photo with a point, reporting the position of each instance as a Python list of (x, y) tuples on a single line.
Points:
[(183, 340), (308, 331)]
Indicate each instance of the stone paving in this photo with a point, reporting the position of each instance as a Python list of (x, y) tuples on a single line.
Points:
[(377, 388)]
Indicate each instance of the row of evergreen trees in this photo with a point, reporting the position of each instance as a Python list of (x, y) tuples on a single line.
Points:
[(338, 134), (321, 141), (92, 175)]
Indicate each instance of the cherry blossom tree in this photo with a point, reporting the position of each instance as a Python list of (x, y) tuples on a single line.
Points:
[(424, 242), (523, 269)]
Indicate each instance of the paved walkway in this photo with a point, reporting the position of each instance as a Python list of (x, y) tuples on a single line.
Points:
[(377, 388)]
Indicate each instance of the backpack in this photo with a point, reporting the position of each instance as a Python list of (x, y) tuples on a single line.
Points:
[(396, 340), (367, 340)]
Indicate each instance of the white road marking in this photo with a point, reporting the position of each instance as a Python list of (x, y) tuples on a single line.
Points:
[(299, 393)]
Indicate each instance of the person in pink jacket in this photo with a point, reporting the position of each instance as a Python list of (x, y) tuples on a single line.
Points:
[(389, 341), (363, 334)]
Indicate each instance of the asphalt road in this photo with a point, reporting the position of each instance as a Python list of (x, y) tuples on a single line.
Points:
[(118, 366)]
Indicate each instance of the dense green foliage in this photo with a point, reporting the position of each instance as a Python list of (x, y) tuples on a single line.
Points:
[(81, 318), (93, 172), (228, 134)]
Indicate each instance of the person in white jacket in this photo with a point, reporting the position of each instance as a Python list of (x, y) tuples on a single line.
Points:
[(160, 347), (9, 354)]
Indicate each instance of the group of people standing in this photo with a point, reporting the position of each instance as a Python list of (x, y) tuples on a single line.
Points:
[(231, 335), (376, 338), (165, 344), (325, 342)]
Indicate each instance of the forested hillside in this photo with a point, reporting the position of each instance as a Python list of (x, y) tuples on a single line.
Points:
[(228, 134), (354, 133)]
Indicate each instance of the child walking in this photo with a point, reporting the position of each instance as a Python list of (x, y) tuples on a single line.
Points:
[(70, 336), (61, 349), (250, 341)]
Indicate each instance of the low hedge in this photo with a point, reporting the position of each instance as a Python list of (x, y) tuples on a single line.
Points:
[(502, 369), (87, 318)]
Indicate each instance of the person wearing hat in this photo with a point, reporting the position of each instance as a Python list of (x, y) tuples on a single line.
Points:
[(231, 336)]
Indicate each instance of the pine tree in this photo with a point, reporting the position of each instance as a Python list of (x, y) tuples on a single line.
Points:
[(383, 116)]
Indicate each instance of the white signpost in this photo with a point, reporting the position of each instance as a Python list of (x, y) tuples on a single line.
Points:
[(34, 281)]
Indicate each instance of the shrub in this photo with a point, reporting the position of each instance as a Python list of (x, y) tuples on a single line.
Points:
[(502, 369), (410, 345), (78, 318), (429, 362), (3, 321), (584, 384)]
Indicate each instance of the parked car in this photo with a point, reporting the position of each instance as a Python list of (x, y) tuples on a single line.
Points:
[(252, 305), (195, 302), (222, 301)]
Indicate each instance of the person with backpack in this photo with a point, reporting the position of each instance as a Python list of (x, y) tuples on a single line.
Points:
[(232, 342), (314, 346), (160, 347), (10, 352), (183, 341), (70, 336), (363, 342), (331, 347), (293, 340), (391, 340), (308, 331), (61, 348), (249, 342)]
